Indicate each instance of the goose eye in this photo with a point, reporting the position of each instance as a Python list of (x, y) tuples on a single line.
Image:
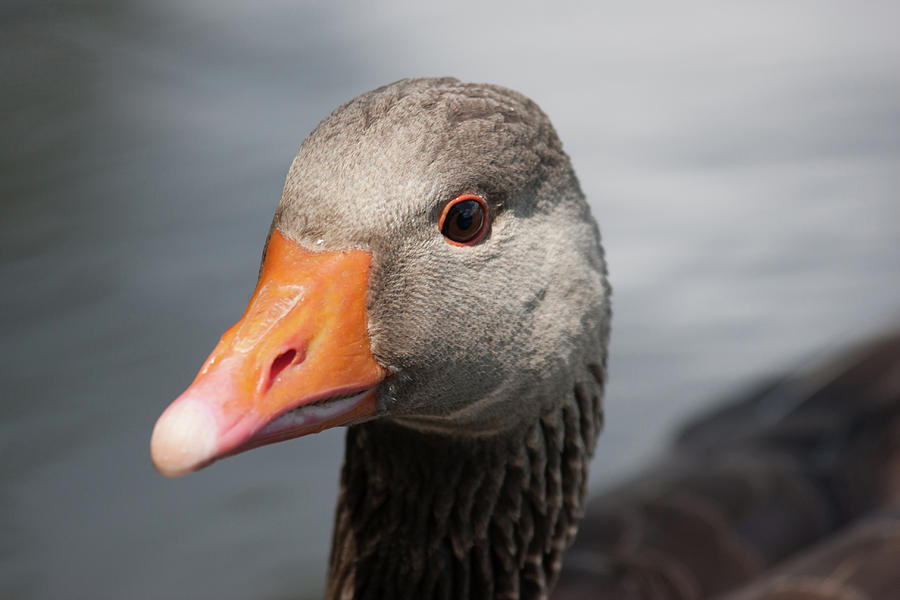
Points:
[(464, 220)]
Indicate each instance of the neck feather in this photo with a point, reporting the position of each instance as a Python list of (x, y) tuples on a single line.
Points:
[(424, 515)]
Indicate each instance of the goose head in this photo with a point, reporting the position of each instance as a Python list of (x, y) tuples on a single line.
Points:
[(432, 264)]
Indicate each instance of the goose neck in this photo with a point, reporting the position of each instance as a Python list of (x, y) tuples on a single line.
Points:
[(422, 515)]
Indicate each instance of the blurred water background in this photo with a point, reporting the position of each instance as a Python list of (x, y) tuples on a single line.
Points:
[(743, 163)]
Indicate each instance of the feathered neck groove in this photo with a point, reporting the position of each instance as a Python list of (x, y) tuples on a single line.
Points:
[(424, 515)]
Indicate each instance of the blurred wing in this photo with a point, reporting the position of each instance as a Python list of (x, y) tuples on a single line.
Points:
[(766, 477)]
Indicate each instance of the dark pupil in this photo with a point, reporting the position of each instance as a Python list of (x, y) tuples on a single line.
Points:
[(464, 220)]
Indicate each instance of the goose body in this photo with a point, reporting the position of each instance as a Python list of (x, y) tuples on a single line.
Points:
[(434, 280), (788, 492)]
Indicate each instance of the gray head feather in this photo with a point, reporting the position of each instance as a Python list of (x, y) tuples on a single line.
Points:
[(479, 335)]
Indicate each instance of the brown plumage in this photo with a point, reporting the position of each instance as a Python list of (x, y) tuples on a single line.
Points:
[(858, 563), (776, 475)]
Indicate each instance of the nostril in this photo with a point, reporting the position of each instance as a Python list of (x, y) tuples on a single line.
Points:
[(281, 362)]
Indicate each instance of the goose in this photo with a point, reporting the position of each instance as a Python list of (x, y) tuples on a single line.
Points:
[(433, 280)]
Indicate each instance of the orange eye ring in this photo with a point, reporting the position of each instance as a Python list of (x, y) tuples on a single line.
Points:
[(464, 220)]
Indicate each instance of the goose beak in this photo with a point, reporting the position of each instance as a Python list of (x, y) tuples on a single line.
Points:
[(296, 363)]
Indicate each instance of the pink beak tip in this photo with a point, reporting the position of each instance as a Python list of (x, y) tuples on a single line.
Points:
[(184, 439)]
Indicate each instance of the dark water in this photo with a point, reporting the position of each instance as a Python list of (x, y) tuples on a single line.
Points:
[(744, 168)]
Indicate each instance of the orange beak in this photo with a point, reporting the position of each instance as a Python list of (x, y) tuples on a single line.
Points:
[(297, 362)]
